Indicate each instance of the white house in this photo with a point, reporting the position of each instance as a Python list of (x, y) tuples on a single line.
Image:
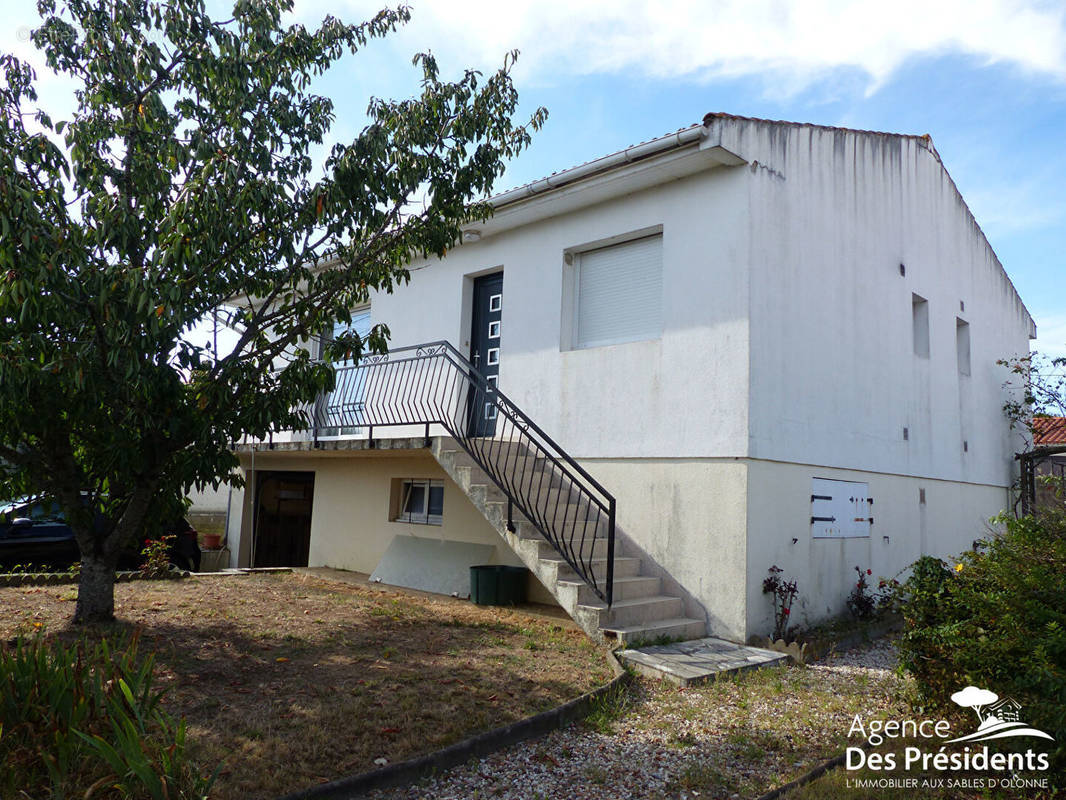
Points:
[(755, 343)]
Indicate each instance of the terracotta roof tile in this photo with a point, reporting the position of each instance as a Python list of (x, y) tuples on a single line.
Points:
[(1049, 430)]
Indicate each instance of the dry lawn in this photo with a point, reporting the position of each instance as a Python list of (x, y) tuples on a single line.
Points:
[(292, 680)]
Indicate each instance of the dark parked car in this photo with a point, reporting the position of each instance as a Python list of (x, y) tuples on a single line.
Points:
[(34, 532)]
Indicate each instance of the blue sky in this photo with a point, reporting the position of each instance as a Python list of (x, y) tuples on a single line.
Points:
[(985, 78)]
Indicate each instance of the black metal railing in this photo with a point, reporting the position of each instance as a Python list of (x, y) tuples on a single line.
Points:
[(432, 384)]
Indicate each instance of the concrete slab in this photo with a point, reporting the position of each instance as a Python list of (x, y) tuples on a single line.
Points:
[(687, 663), (432, 565)]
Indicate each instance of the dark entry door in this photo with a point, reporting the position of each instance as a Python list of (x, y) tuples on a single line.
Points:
[(283, 519), (485, 350)]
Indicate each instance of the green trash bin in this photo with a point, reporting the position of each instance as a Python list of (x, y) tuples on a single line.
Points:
[(497, 585)]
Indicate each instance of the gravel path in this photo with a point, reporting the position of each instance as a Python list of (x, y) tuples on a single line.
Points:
[(731, 739)]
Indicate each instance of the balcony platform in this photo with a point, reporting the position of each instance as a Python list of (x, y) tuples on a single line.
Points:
[(336, 445)]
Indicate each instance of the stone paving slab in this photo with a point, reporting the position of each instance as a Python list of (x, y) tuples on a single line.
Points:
[(687, 663)]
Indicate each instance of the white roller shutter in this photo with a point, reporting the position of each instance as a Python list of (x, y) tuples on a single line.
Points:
[(619, 293)]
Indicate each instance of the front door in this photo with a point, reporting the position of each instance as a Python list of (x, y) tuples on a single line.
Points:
[(485, 350), (283, 519)]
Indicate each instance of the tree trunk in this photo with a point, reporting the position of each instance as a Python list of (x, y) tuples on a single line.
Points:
[(96, 589)]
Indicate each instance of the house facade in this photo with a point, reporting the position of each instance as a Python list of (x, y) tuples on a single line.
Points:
[(745, 344)]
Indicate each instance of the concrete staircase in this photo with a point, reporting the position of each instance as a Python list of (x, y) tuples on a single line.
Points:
[(641, 612)]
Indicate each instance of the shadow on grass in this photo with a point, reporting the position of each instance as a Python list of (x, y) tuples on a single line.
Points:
[(294, 699)]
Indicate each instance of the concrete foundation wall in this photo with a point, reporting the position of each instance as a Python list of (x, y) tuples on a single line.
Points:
[(953, 515), (689, 517)]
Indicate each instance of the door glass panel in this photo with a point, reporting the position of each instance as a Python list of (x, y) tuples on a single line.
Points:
[(350, 392)]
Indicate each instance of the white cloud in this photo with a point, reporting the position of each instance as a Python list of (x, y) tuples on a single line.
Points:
[(701, 40), (1005, 208), (55, 92), (1051, 334)]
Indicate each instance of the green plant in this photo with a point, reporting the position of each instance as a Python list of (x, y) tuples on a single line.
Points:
[(782, 593), (35, 569), (608, 707), (995, 619), (860, 602), (889, 595), (701, 776), (157, 557), (79, 718)]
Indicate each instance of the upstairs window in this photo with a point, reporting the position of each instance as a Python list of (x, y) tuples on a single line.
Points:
[(962, 345), (618, 293), (920, 321)]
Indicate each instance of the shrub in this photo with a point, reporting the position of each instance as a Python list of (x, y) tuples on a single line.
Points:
[(783, 593), (996, 619), (860, 602), (156, 555), (85, 721)]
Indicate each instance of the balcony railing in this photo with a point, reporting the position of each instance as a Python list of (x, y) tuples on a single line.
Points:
[(431, 385)]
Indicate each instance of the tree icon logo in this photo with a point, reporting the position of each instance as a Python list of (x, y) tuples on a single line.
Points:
[(997, 719)]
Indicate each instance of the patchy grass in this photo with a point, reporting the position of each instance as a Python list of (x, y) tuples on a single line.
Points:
[(738, 737), (609, 707), (751, 731), (293, 680)]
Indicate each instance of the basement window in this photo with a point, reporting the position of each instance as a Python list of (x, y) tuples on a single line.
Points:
[(417, 500)]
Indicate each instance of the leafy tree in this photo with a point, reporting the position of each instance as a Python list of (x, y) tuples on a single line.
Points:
[(184, 181), (1038, 389)]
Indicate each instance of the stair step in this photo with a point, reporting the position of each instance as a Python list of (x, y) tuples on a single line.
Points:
[(636, 611), (509, 461), (540, 487), (678, 628), (625, 588), (624, 567), (523, 469), (564, 518), (485, 492), (594, 548)]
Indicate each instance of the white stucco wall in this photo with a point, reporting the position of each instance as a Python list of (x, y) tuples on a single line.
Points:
[(678, 395), (834, 376), (210, 499), (688, 517)]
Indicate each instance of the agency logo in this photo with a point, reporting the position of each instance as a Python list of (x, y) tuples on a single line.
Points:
[(1000, 721), (914, 763)]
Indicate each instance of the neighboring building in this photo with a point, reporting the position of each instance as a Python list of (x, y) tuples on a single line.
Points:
[(771, 343), (1048, 462)]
